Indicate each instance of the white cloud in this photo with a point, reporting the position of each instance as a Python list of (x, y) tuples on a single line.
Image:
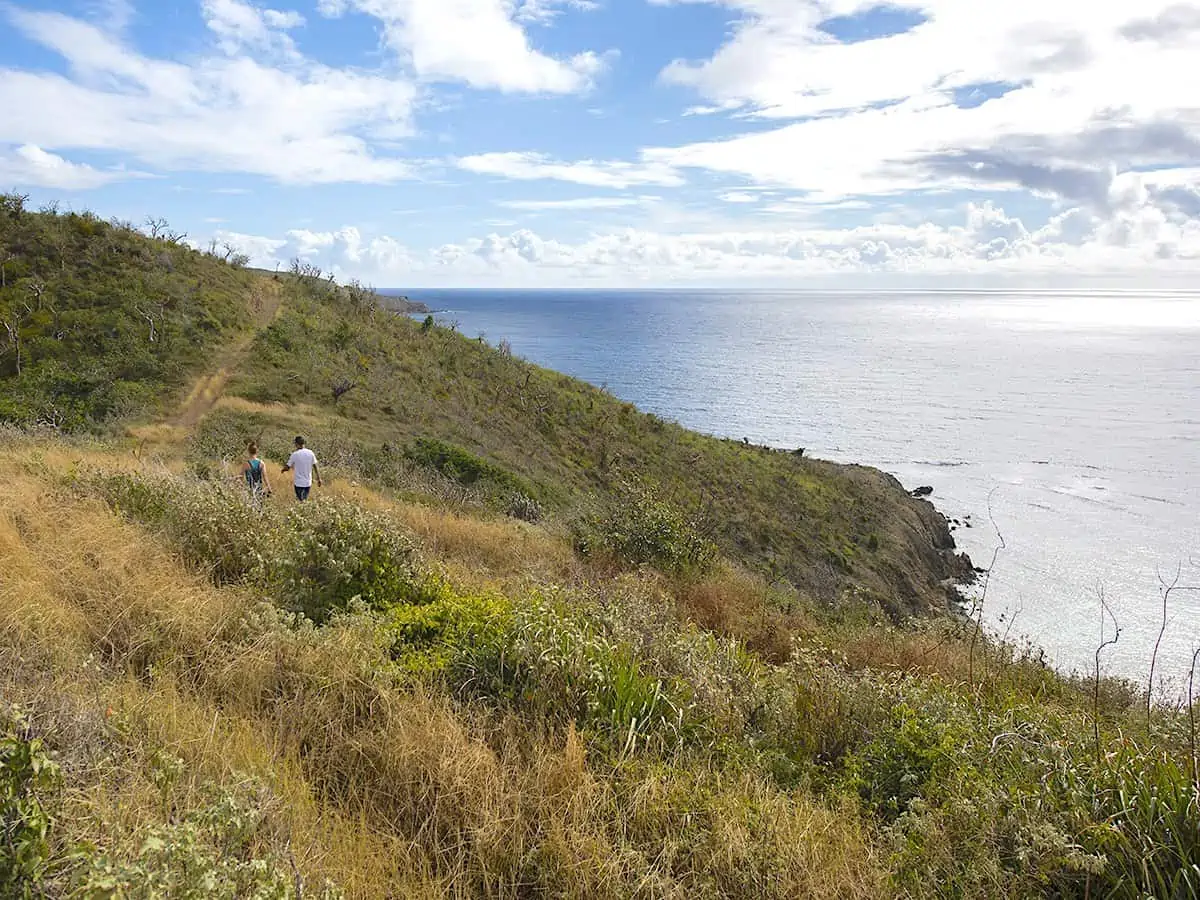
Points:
[(114, 15), (478, 42), (31, 166), (988, 243), (1080, 95), (739, 197), (304, 123), (576, 203), (529, 166), (238, 25), (543, 11)]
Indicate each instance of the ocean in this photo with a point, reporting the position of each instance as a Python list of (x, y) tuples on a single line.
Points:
[(1064, 426)]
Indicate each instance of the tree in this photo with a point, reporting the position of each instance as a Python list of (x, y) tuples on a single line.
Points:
[(13, 205), (14, 320), (156, 228), (150, 319)]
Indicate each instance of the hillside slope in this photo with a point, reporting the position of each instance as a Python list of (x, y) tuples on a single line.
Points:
[(526, 642), (109, 325), (819, 526), (100, 323)]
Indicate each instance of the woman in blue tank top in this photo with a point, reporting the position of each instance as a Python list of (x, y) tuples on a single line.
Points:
[(255, 473)]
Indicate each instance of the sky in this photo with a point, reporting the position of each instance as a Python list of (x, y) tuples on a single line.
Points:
[(627, 143)]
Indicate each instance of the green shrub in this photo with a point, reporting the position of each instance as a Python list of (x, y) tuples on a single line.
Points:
[(559, 664), (458, 465), (894, 768), (334, 554), (319, 558), (212, 525), (642, 529), (210, 854), (433, 638), (27, 776)]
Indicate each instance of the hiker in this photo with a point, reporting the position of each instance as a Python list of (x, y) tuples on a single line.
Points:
[(304, 463), (255, 473)]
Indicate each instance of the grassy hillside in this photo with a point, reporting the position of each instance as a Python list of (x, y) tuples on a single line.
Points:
[(480, 713), (100, 323), (417, 393), (526, 642)]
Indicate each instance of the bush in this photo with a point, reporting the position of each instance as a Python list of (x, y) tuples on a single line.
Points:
[(27, 775), (209, 853), (318, 558), (213, 526), (893, 769), (546, 661), (642, 529), (522, 506), (332, 555), (457, 464)]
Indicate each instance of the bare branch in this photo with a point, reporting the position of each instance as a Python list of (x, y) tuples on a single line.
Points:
[(977, 606), (1105, 611)]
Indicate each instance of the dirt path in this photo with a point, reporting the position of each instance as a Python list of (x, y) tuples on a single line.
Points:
[(207, 390)]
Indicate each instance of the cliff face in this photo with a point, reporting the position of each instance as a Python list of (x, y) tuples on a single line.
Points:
[(924, 573)]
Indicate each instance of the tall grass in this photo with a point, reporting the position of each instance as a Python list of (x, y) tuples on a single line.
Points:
[(425, 736)]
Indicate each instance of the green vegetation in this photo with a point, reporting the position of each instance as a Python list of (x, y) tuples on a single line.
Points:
[(501, 428), (642, 529), (27, 776), (526, 642), (689, 760), (99, 322)]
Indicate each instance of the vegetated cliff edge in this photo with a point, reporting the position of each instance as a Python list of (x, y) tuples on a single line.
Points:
[(499, 421)]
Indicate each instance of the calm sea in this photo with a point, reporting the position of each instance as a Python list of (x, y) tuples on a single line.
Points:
[(1078, 415)]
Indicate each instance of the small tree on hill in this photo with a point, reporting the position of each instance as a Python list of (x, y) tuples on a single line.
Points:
[(14, 319)]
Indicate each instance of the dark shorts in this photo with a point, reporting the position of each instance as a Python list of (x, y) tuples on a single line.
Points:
[(302, 493)]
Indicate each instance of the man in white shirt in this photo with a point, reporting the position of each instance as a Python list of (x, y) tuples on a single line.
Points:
[(303, 462)]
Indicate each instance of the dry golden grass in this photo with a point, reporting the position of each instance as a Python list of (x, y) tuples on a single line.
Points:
[(738, 604), (119, 651), (300, 412), (474, 551)]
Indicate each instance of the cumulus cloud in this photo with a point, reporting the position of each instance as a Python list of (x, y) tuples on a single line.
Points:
[(303, 123), (481, 43), (1176, 24), (261, 250), (529, 166), (31, 166), (1056, 97), (238, 25), (739, 197), (987, 241), (543, 11)]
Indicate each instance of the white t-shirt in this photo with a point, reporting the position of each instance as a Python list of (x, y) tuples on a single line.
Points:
[(302, 462)]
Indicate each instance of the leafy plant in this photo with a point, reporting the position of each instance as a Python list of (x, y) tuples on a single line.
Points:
[(332, 555), (459, 465), (27, 775), (209, 855), (641, 528)]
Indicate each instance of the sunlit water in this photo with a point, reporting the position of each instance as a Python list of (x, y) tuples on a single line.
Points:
[(1078, 415)]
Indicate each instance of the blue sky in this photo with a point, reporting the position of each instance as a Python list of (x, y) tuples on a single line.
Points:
[(627, 142)]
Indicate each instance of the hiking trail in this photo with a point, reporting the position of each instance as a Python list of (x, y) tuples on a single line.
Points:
[(208, 388)]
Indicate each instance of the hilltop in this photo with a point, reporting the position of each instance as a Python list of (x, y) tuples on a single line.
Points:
[(528, 642)]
